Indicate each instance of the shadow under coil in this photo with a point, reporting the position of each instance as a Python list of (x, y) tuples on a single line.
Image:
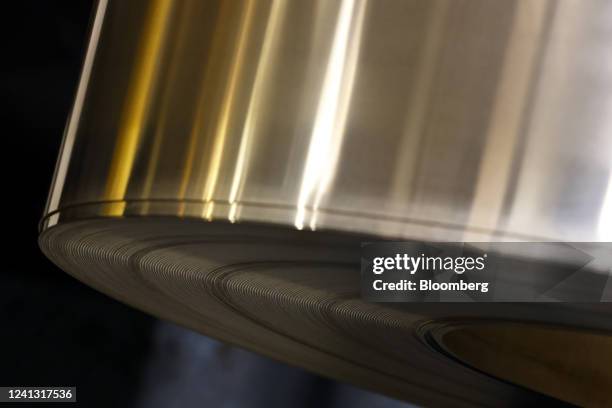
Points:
[(225, 159)]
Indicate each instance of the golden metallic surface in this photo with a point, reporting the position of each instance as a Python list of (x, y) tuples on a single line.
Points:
[(136, 102), (248, 124), (572, 365), (455, 120)]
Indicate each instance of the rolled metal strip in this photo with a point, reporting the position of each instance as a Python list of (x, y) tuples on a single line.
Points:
[(249, 124)]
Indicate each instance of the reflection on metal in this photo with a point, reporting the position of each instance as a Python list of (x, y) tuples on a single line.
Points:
[(262, 76), (452, 120), (73, 122), (605, 215), (198, 129), (162, 121), (504, 128), (446, 120), (136, 102), (415, 117), (227, 105), (569, 364), (330, 120)]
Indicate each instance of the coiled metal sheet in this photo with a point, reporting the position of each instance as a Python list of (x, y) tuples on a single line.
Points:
[(247, 125)]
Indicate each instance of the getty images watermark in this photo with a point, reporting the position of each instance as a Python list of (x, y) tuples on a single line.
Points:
[(489, 272), (413, 264)]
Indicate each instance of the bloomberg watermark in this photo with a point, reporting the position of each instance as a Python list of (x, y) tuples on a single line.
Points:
[(455, 272)]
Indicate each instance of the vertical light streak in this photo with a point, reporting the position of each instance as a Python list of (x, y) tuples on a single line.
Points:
[(504, 127), (160, 128), (75, 115), (226, 108), (536, 176), (330, 121), (604, 226), (134, 113), (218, 42), (421, 96), (271, 37), (605, 214)]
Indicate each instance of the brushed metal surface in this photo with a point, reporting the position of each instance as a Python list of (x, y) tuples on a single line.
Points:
[(454, 120), (247, 124)]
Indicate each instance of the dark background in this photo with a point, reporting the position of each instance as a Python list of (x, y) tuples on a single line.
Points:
[(56, 331)]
